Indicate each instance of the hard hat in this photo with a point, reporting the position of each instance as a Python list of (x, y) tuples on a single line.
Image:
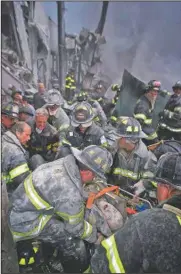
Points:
[(95, 158), (82, 114), (26, 110), (54, 98), (169, 170), (153, 85), (82, 96), (128, 127), (177, 85), (10, 110)]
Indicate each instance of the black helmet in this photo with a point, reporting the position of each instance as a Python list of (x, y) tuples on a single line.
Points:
[(82, 114), (128, 127), (169, 170), (153, 85), (97, 159), (11, 110), (177, 85), (82, 96)]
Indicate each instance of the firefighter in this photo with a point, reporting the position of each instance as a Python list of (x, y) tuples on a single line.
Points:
[(167, 146), (43, 135), (151, 240), (49, 204), (70, 85), (25, 113), (57, 116), (9, 115), (170, 123), (84, 131), (109, 107), (39, 98), (100, 116), (144, 108), (131, 159), (14, 156)]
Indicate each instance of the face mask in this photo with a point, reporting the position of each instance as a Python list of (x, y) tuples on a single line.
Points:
[(86, 176), (39, 130)]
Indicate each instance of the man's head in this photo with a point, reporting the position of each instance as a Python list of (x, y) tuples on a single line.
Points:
[(168, 175), (93, 161), (128, 133), (41, 117), (25, 113), (153, 89), (41, 87), (9, 115), (22, 131), (82, 116), (17, 96), (177, 88)]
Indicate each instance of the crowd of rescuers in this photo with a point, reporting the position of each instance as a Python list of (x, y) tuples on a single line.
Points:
[(55, 146)]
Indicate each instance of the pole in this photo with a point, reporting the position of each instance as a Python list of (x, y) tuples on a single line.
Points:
[(61, 42)]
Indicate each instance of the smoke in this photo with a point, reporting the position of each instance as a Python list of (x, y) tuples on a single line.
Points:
[(144, 37)]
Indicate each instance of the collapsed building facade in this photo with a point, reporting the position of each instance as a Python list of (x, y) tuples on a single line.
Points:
[(30, 50)]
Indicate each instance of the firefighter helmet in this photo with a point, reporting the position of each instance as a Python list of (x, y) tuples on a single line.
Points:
[(169, 170), (128, 127), (82, 114), (153, 85), (11, 110), (95, 158), (177, 85), (54, 98), (82, 96)]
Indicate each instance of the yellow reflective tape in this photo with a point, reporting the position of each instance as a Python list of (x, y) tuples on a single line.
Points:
[(132, 129), (113, 118), (151, 136), (179, 219), (170, 128), (113, 101), (148, 121), (140, 116), (73, 87), (22, 261), (17, 236), (72, 219), (65, 126), (115, 263), (126, 173), (35, 249), (31, 260), (154, 184), (88, 270), (147, 174), (87, 230), (124, 121), (96, 119), (18, 171), (177, 109), (35, 199), (98, 160)]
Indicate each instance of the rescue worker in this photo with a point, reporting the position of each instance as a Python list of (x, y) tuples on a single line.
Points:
[(14, 156), (98, 94), (25, 113), (9, 115), (165, 146), (109, 107), (151, 240), (84, 131), (170, 123), (43, 135), (70, 85), (39, 98), (17, 97), (49, 204), (144, 108), (100, 116), (131, 159), (57, 116)]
